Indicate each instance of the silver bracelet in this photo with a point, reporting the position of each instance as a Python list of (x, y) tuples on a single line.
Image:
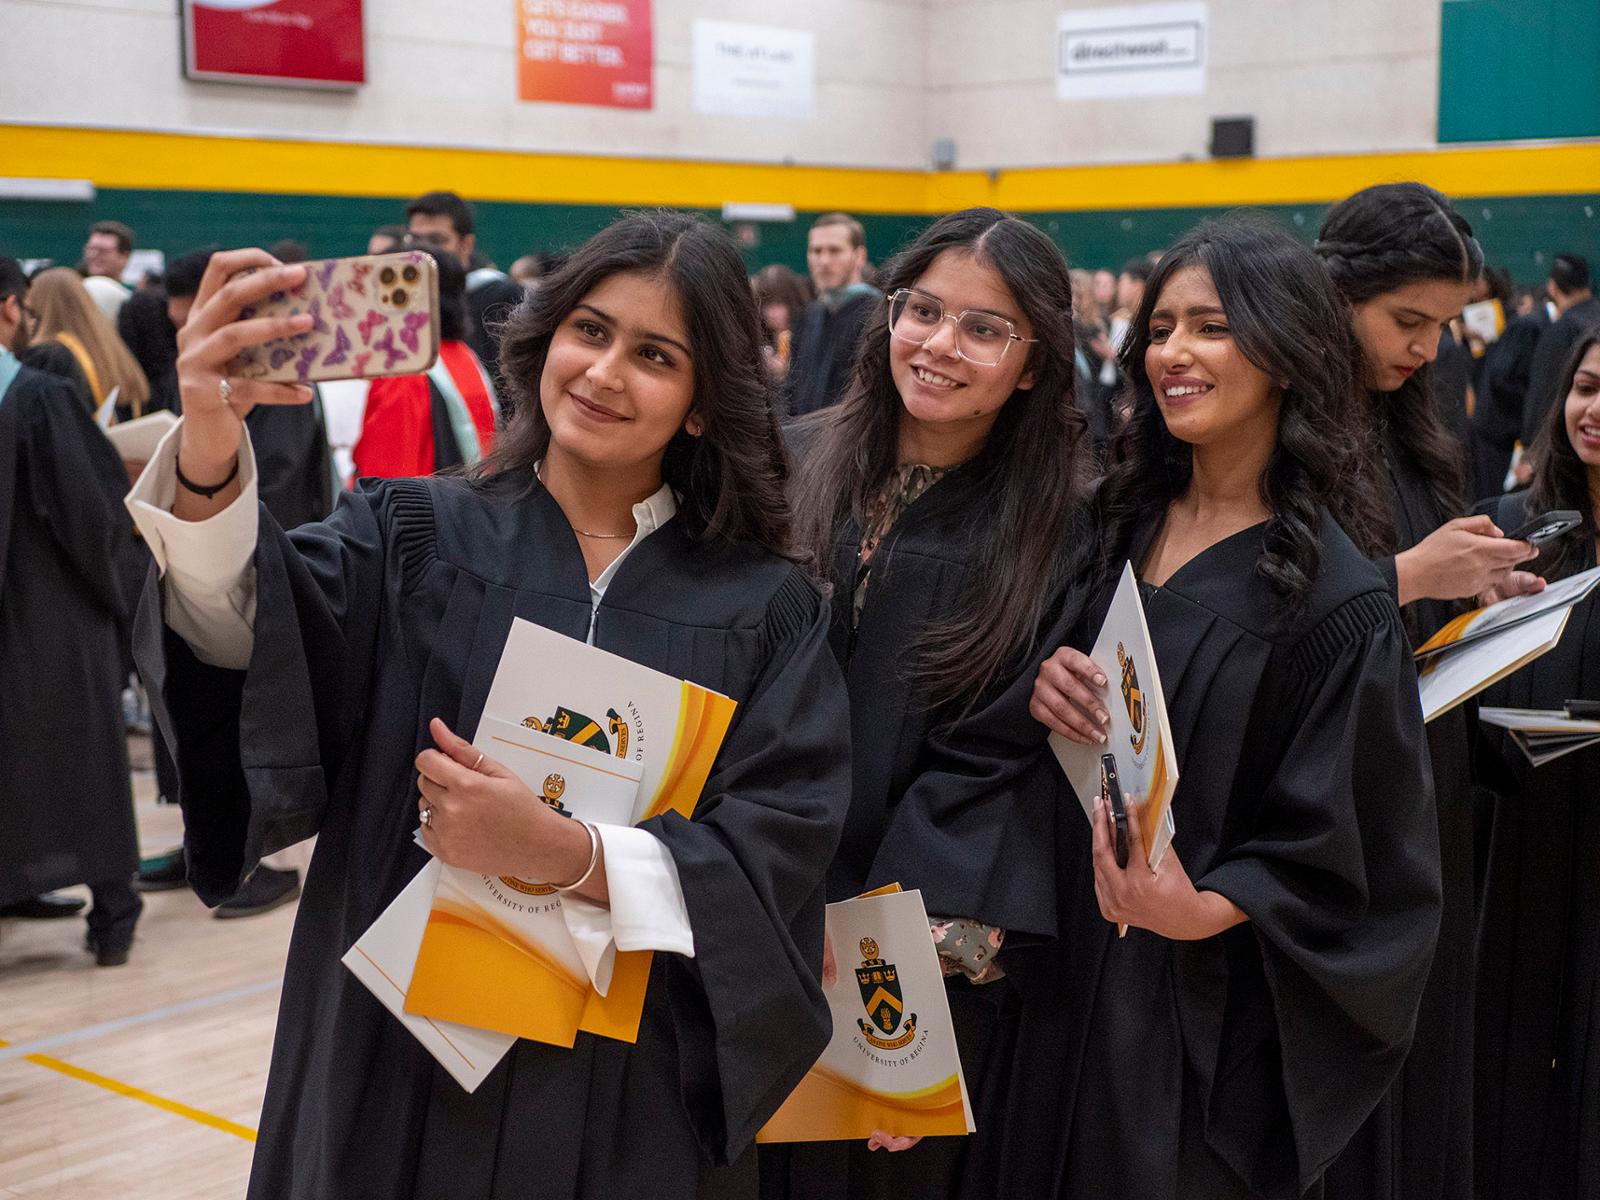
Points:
[(594, 860)]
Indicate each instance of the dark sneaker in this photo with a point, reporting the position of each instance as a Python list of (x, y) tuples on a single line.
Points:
[(108, 951), (262, 892), (47, 907), (163, 872)]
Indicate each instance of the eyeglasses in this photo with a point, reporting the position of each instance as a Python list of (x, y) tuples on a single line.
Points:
[(982, 337)]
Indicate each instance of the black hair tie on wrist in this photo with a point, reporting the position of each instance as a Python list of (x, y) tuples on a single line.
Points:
[(199, 489)]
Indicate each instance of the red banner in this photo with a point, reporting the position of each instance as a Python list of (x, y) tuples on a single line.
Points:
[(585, 52), (312, 43)]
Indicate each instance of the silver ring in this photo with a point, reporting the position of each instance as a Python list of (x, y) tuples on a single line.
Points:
[(225, 390), (427, 816)]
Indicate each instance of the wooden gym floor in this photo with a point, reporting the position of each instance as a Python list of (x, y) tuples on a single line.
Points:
[(140, 1082)]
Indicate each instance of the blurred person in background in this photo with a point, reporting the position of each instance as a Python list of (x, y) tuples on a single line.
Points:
[(386, 239), (66, 801), (782, 296), (74, 339), (1500, 384), (531, 268), (824, 343), (152, 339), (444, 224), (105, 258), (287, 250), (419, 424), (1105, 292), (1094, 348)]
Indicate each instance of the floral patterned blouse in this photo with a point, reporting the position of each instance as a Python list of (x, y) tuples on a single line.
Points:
[(966, 947)]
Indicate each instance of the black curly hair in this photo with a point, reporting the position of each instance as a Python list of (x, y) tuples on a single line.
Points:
[(1380, 239), (732, 477), (1288, 321)]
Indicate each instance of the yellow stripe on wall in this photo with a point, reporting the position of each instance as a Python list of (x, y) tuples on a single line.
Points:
[(169, 161)]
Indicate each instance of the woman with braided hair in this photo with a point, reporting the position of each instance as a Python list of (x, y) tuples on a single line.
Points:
[(1405, 262)]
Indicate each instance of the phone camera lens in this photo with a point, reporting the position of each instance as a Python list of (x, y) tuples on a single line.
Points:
[(400, 297), (386, 275), (409, 274)]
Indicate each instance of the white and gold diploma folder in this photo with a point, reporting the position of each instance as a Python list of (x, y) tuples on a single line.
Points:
[(892, 1063), (1140, 735)]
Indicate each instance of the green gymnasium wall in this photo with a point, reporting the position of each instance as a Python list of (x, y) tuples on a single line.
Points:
[(1513, 69), (1518, 232)]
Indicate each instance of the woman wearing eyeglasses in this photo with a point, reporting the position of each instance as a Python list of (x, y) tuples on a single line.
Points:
[(939, 493)]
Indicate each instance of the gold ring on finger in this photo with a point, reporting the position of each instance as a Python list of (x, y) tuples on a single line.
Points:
[(225, 390)]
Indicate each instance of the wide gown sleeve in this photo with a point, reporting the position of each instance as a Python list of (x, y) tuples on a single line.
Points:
[(975, 831), (1338, 870), (251, 781), (748, 1008)]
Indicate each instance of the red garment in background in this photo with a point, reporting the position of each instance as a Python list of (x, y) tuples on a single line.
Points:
[(397, 428)]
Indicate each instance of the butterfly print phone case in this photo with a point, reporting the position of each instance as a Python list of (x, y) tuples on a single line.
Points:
[(371, 316)]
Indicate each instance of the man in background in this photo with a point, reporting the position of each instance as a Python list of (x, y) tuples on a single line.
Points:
[(824, 343), (105, 258), (444, 222)]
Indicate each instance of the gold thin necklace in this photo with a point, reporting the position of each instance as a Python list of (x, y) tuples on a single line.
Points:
[(584, 532)]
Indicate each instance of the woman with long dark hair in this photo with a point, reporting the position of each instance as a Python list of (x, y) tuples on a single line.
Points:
[(1405, 262), (1538, 1011), (1263, 998), (941, 494), (636, 500)]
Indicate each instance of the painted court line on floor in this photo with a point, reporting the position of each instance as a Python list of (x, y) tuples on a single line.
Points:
[(144, 1097), (10, 1050)]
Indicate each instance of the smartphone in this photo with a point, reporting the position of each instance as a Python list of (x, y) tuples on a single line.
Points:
[(1583, 710), (1548, 527), (1111, 789), (372, 316)]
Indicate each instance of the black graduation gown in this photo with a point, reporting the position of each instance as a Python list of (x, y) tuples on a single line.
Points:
[(396, 610), (1239, 1066), (65, 795), (1538, 1073), (825, 343), (966, 814), (1418, 1144)]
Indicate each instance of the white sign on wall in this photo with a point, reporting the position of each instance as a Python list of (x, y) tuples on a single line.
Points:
[(754, 70), (1135, 50)]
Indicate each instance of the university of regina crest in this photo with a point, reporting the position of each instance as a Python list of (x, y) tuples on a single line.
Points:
[(1133, 700), (575, 727), (880, 995), (570, 726)]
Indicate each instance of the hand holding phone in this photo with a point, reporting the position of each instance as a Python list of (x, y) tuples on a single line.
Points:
[(1548, 527), (371, 316)]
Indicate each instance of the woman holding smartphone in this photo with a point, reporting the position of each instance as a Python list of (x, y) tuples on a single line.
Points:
[(1262, 1000), (1405, 262), (315, 682), (1538, 1009), (942, 493)]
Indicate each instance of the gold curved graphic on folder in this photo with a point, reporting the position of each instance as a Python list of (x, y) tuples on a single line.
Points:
[(829, 1106), (703, 720)]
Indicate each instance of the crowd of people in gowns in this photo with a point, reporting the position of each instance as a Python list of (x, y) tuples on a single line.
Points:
[(1365, 967)]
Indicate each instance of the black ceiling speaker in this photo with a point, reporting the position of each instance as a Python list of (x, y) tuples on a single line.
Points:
[(1233, 137)]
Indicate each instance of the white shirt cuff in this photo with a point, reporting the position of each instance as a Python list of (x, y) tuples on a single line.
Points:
[(207, 567), (647, 910)]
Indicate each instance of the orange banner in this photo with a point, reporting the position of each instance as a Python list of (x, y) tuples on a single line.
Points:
[(585, 52)]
